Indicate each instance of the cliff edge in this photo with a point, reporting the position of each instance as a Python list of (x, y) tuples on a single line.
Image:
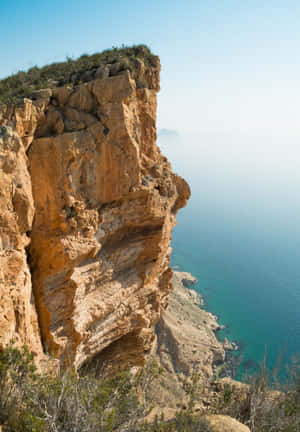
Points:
[(87, 206)]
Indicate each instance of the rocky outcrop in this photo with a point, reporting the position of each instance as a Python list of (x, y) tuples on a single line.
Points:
[(88, 203)]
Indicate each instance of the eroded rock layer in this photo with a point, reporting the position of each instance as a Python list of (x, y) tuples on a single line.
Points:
[(89, 202), (18, 318)]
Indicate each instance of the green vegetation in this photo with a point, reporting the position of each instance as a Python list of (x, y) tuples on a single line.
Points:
[(68, 401), (24, 84), (31, 402), (266, 405), (183, 422)]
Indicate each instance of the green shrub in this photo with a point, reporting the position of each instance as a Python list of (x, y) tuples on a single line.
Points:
[(2, 130), (68, 401), (23, 84), (227, 394), (183, 422), (30, 402), (260, 406)]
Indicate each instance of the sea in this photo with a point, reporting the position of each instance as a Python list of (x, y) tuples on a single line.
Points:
[(239, 236)]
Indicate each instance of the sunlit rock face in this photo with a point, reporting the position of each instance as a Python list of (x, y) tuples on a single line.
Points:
[(18, 318), (87, 208)]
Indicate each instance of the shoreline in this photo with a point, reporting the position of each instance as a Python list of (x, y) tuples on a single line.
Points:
[(187, 343), (233, 349), (230, 347)]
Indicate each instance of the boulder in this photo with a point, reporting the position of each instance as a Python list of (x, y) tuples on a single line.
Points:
[(223, 423)]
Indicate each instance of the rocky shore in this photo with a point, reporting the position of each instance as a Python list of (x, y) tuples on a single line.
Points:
[(186, 344)]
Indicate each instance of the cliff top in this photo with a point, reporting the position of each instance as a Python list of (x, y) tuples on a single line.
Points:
[(73, 72)]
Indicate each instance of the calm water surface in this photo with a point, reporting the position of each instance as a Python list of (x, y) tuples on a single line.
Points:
[(243, 245)]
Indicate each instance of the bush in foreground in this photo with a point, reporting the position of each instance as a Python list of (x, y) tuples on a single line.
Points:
[(266, 404), (31, 402), (70, 402), (67, 402)]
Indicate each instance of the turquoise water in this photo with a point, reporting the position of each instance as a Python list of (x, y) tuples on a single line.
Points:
[(252, 285), (244, 249)]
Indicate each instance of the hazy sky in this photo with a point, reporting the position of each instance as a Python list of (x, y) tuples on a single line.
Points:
[(230, 69)]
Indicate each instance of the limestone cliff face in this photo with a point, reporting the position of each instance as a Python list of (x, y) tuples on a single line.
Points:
[(18, 318), (87, 207)]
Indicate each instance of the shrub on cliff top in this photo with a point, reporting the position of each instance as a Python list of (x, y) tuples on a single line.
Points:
[(23, 84)]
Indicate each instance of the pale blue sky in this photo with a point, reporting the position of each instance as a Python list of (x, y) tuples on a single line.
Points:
[(230, 69)]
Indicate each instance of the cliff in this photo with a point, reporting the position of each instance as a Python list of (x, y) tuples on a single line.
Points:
[(87, 206)]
